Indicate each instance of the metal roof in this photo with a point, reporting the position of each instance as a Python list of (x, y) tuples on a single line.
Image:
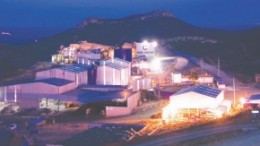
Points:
[(55, 81), (76, 68), (97, 51), (51, 81), (121, 60), (90, 96), (116, 65), (201, 89), (254, 97), (114, 60)]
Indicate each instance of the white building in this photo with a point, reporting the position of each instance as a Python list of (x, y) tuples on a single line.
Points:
[(90, 54), (146, 49), (141, 84), (195, 99), (88, 57), (113, 72), (205, 79), (130, 98), (176, 77), (28, 94), (254, 99)]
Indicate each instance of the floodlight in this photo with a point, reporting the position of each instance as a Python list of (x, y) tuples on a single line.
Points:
[(242, 100), (155, 44), (156, 65), (145, 42)]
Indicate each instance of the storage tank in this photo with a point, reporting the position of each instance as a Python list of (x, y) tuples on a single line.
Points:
[(142, 83)]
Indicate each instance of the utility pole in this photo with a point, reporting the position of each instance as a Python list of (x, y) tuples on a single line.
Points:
[(5, 95), (218, 66), (201, 65), (15, 93), (234, 91)]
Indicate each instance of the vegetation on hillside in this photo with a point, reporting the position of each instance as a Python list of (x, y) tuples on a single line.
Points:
[(238, 51)]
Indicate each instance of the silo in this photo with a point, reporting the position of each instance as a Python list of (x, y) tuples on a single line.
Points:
[(92, 75)]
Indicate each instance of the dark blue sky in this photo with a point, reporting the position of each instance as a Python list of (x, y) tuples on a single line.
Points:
[(67, 13)]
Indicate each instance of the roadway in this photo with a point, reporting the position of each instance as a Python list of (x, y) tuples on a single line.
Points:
[(194, 134), (250, 139)]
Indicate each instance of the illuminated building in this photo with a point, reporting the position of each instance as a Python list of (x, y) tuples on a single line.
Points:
[(113, 72), (77, 73), (194, 101)]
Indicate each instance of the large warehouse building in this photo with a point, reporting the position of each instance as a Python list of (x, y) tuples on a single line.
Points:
[(78, 73), (195, 100), (131, 100), (197, 97), (113, 72), (28, 94)]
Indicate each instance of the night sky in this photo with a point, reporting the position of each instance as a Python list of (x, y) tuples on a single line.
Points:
[(68, 13)]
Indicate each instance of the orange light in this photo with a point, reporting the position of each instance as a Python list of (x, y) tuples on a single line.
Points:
[(169, 113), (219, 113)]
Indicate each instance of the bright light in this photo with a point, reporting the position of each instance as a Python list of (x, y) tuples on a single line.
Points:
[(254, 112), (219, 113), (156, 65), (155, 44), (144, 65), (145, 42), (242, 100), (169, 113)]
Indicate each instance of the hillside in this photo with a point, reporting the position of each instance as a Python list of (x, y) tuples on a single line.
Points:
[(11, 60), (154, 25), (238, 51), (239, 54)]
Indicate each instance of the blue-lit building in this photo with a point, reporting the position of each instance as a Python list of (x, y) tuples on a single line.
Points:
[(79, 73)]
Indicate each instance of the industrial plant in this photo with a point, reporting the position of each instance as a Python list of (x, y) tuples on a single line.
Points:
[(125, 82), (86, 67)]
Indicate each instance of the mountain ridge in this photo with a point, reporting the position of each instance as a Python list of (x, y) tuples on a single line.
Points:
[(99, 20), (205, 43)]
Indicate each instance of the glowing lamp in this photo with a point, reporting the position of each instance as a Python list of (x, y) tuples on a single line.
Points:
[(242, 100), (155, 44), (145, 42), (219, 113), (156, 65)]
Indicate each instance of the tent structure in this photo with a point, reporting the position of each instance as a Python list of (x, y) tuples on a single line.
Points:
[(196, 100), (197, 97)]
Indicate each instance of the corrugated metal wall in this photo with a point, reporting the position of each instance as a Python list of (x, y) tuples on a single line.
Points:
[(79, 78), (110, 76), (132, 102)]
